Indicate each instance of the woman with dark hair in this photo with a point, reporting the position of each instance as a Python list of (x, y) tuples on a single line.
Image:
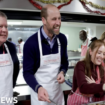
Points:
[(88, 78), (83, 37)]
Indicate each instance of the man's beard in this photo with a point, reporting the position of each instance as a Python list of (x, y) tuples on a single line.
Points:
[(51, 31)]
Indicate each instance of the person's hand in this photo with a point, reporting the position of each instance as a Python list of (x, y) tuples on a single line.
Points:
[(90, 80), (43, 95), (61, 77)]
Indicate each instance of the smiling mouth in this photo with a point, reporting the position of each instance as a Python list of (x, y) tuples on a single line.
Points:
[(3, 35), (99, 60), (57, 28)]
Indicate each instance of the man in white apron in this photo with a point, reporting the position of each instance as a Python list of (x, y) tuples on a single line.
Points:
[(49, 47), (6, 64)]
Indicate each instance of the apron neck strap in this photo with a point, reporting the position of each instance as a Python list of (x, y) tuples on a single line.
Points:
[(3, 49), (59, 45), (39, 42), (8, 52), (98, 75), (40, 46)]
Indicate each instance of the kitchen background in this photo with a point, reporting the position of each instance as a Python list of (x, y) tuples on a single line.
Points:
[(75, 17), (24, 29)]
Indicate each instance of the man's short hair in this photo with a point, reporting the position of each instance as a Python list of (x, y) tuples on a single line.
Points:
[(2, 14), (44, 10)]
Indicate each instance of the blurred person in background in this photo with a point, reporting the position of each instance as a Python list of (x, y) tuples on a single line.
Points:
[(10, 40), (9, 63), (83, 37), (21, 44)]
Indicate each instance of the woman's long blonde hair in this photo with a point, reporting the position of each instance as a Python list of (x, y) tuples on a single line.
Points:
[(95, 44), (102, 36)]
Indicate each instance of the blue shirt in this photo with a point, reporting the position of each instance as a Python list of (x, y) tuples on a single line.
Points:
[(31, 58), (51, 42)]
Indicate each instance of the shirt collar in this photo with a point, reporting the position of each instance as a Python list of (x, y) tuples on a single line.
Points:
[(46, 36)]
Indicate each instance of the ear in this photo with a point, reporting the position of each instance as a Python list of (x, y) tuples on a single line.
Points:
[(90, 51), (43, 20)]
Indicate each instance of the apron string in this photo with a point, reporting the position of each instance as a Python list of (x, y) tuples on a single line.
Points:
[(3, 49), (40, 46), (8, 53), (98, 75)]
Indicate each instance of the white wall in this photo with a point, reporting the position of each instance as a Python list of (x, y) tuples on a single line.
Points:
[(91, 31), (73, 36), (99, 31)]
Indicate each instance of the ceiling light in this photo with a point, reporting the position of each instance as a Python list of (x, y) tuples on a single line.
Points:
[(14, 23)]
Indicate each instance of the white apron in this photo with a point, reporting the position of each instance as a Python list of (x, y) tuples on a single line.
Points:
[(46, 75), (6, 76)]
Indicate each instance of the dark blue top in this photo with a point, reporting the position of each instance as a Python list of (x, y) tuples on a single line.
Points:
[(15, 60), (31, 58)]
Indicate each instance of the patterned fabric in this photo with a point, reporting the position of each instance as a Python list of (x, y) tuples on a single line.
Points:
[(78, 99), (94, 99)]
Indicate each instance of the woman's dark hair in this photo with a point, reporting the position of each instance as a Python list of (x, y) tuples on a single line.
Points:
[(83, 35)]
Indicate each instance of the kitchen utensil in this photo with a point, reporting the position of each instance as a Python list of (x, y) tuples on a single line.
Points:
[(52, 101)]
